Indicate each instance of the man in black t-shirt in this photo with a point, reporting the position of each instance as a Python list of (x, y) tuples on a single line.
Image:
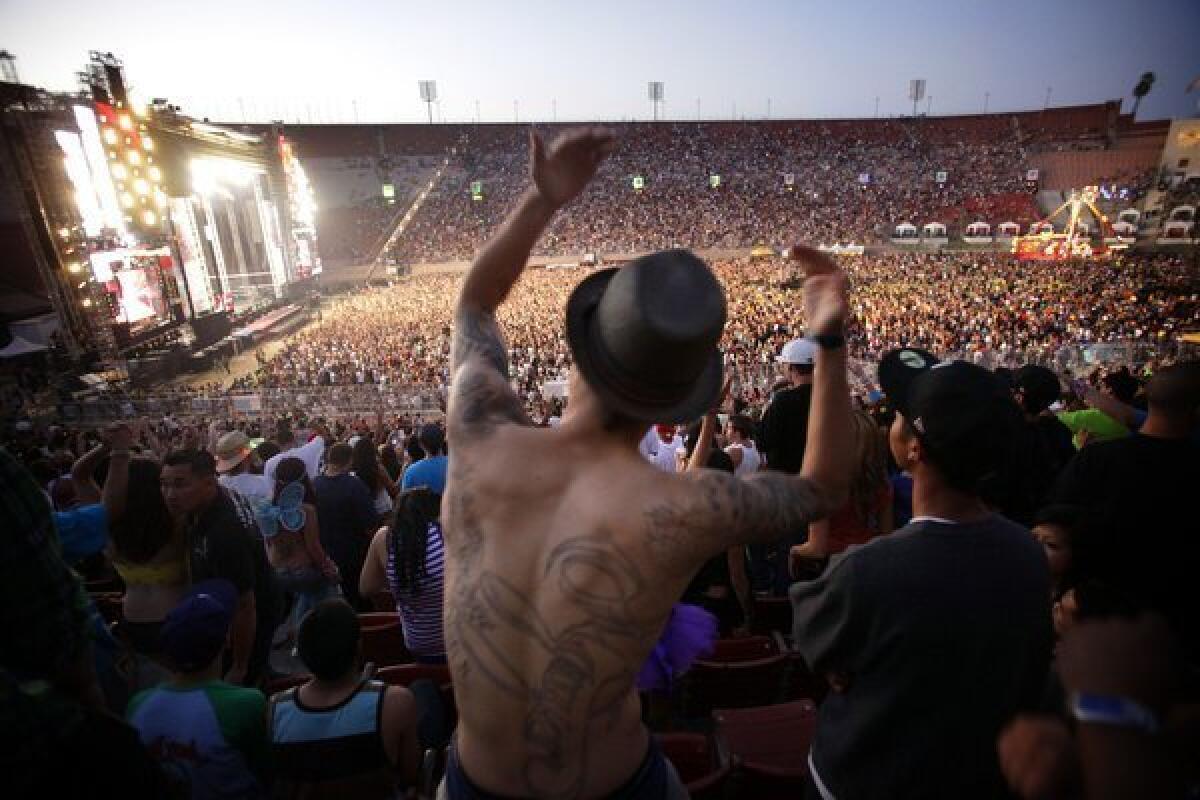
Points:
[(784, 427), (781, 440), (1142, 489), (223, 541), (935, 635), (348, 519)]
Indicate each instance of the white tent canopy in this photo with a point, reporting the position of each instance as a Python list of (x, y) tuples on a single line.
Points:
[(1039, 227), (934, 229), (1131, 215), (979, 229), (1009, 229), (1124, 228), (906, 229), (1177, 229), (1183, 213)]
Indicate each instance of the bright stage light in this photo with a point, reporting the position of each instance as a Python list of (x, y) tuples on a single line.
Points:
[(134, 157), (74, 267), (87, 302), (147, 143), (98, 173), (127, 200), (155, 174), (85, 189), (125, 122), (208, 174), (141, 187), (110, 136), (119, 172), (149, 217), (160, 198)]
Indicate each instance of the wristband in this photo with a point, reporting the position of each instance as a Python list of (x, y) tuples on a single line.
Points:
[(828, 341), (1103, 709)]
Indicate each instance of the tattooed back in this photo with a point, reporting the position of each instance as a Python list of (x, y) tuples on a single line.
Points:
[(558, 583)]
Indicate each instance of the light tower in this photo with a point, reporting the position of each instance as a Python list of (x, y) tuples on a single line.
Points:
[(428, 96), (654, 91)]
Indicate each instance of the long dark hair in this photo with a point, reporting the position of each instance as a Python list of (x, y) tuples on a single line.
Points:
[(391, 462), (146, 526), (289, 470), (365, 463), (417, 510)]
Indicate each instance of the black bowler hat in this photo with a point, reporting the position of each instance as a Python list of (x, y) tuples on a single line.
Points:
[(645, 336)]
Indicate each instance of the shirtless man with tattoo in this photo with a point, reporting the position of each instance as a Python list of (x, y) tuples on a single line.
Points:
[(566, 549)]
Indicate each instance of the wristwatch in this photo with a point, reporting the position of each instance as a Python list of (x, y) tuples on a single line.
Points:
[(1103, 709), (827, 341)]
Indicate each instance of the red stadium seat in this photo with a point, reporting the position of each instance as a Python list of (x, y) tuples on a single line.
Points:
[(747, 648), (383, 644), (694, 760), (769, 745), (378, 619), (405, 674), (737, 684)]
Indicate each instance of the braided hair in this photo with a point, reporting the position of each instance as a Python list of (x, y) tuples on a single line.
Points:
[(415, 516)]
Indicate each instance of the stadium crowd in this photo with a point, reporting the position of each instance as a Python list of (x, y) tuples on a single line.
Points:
[(984, 307), (826, 181), (973, 604)]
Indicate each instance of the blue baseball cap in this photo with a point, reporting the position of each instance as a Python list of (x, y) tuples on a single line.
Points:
[(195, 630)]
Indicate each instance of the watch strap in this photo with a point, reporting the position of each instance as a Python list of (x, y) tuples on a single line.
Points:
[(828, 341), (1103, 709)]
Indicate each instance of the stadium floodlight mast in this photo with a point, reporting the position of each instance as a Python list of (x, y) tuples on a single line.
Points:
[(654, 91), (916, 92), (428, 96)]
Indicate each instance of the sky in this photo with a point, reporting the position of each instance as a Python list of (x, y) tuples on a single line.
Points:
[(360, 60)]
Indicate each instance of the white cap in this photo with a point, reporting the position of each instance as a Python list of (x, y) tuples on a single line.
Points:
[(798, 351)]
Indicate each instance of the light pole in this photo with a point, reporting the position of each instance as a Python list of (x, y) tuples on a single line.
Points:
[(1046, 102), (877, 106), (554, 110), (516, 115), (428, 96), (986, 95), (697, 109), (654, 91)]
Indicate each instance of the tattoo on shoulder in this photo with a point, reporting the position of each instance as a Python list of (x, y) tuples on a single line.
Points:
[(724, 511), (477, 334)]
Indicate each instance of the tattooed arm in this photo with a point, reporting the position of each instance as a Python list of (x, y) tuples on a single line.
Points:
[(480, 395), (711, 511)]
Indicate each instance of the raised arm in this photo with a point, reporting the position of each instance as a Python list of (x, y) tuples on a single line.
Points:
[(711, 511), (480, 395), (83, 474)]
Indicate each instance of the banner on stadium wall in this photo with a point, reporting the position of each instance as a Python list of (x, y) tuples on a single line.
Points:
[(639, 182), (789, 179), (247, 403), (941, 176), (864, 178), (1031, 175)]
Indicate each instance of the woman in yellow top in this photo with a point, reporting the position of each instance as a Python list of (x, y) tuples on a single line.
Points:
[(145, 546)]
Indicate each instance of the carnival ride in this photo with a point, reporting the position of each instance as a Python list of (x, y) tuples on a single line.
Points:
[(1074, 239)]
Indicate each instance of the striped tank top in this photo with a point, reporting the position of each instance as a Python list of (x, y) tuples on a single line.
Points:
[(421, 613)]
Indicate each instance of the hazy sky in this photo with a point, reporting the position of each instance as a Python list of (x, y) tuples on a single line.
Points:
[(326, 60)]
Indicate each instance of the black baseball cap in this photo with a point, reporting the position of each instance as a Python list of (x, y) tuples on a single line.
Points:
[(963, 414), (1039, 385)]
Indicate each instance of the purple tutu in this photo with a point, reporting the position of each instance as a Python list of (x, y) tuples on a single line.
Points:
[(688, 634)]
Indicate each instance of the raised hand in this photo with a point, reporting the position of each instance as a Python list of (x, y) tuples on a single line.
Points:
[(825, 306), (119, 437), (561, 170)]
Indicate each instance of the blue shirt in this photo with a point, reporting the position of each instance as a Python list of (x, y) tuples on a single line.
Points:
[(429, 472), (82, 531)]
